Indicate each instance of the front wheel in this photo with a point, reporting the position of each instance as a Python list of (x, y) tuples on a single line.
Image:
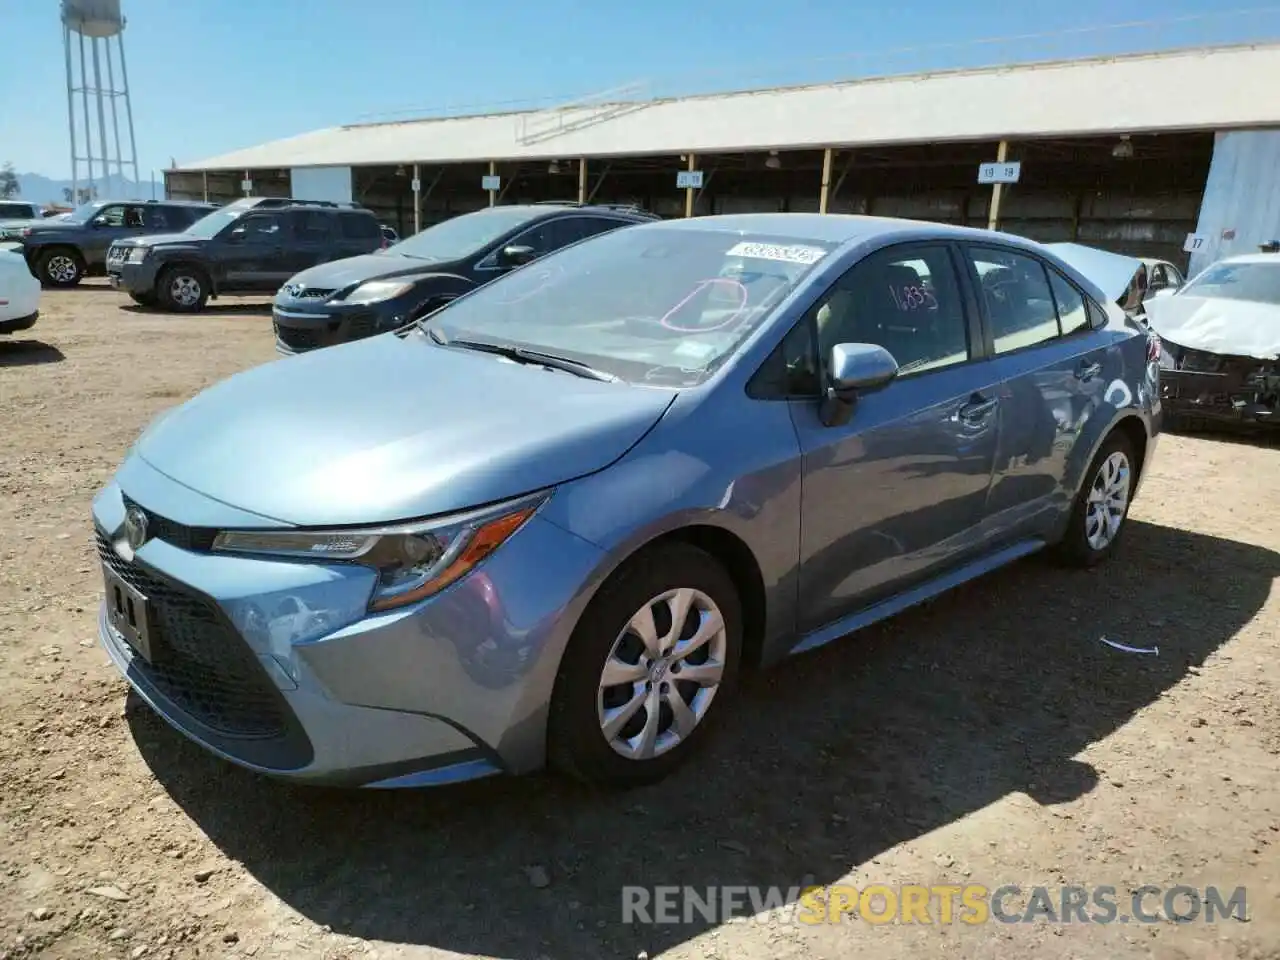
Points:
[(650, 665), (60, 267), (1100, 510), (183, 289)]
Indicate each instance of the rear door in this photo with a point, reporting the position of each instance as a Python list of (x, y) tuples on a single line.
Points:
[(1041, 330), (314, 240), (357, 233)]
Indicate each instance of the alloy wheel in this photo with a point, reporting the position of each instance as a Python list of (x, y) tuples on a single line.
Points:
[(1108, 501)]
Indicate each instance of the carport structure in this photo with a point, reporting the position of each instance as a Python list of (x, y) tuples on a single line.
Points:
[(1114, 152)]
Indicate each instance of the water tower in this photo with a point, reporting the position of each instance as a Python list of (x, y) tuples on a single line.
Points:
[(88, 27)]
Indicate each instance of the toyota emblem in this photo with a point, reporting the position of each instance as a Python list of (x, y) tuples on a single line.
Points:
[(135, 528)]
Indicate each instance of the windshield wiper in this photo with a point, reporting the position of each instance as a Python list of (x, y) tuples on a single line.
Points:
[(523, 355)]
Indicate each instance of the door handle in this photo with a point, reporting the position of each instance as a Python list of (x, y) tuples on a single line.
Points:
[(1087, 371), (977, 408)]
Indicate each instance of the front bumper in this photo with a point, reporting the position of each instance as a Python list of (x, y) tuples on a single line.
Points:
[(453, 688), (1216, 397), (135, 278), (303, 327)]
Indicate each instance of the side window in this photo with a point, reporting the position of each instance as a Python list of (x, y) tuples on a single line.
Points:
[(158, 218), (135, 217), (1159, 279), (112, 216), (792, 368), (553, 234), (1175, 277), (905, 299), (1019, 302), (311, 225), (358, 227), (260, 227), (1097, 316), (1072, 314)]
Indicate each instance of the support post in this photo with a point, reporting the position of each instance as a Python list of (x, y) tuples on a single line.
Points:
[(128, 105), (582, 181), (204, 177), (71, 118), (417, 200), (997, 190), (249, 179), (688, 191), (826, 180), (493, 172), (102, 116)]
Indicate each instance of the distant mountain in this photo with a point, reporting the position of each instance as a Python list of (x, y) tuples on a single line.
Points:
[(39, 189)]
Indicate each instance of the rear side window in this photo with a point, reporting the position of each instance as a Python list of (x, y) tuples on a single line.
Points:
[(356, 226), (312, 225), (1018, 298), (1073, 316)]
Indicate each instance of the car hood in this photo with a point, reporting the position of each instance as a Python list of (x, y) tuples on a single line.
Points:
[(393, 428), (1236, 328), (51, 226), (154, 239), (1110, 272), (338, 274)]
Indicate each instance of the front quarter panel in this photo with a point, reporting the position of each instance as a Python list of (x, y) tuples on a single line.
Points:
[(718, 459)]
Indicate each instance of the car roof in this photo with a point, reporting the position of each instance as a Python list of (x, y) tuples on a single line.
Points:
[(556, 207), (839, 228)]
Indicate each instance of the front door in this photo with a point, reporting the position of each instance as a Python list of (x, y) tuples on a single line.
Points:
[(254, 252), (113, 222), (899, 492), (1055, 370)]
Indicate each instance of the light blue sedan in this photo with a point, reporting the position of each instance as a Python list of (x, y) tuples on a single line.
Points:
[(556, 519)]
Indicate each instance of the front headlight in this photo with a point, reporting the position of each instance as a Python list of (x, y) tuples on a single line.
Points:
[(413, 561), (375, 291), (137, 254)]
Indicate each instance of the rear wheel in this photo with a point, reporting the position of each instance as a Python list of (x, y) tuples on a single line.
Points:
[(60, 267), (649, 667), (183, 289), (1102, 506)]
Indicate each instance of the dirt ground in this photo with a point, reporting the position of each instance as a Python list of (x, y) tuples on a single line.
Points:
[(989, 738)]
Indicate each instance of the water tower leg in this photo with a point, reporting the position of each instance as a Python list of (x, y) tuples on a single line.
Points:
[(71, 116), (128, 106), (102, 116), (84, 102), (115, 114)]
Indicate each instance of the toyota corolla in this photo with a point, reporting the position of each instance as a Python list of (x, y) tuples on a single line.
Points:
[(556, 519)]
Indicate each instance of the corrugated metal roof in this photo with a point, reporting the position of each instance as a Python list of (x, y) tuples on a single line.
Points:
[(1206, 88)]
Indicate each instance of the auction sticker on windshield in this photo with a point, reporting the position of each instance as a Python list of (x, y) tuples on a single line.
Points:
[(788, 253)]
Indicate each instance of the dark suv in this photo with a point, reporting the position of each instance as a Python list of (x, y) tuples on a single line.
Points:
[(249, 246), (62, 252), (363, 296)]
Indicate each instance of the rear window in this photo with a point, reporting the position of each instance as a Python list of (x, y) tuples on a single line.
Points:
[(357, 226), (17, 211)]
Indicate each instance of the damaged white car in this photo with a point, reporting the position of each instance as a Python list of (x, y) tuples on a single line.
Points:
[(1221, 343)]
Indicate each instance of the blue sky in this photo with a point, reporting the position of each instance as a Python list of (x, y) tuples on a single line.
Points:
[(208, 77)]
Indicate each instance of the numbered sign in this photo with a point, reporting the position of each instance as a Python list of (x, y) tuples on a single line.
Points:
[(417, 185), (689, 180), (490, 183), (246, 185), (999, 172), (1194, 242)]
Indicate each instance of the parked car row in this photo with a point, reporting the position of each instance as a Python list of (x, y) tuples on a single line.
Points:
[(554, 518)]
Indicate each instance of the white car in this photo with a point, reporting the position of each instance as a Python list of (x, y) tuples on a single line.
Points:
[(19, 294)]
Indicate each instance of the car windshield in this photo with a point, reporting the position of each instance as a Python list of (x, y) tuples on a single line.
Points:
[(652, 305), (464, 235), (211, 224), (1259, 282), (85, 212)]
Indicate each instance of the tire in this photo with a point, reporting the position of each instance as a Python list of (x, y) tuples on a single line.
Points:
[(60, 267), (183, 289), (577, 741), (1080, 547)]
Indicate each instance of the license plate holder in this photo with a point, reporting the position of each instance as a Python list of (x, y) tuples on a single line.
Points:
[(129, 613)]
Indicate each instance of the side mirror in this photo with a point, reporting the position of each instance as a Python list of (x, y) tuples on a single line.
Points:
[(98, 222), (854, 369), (237, 235), (516, 255)]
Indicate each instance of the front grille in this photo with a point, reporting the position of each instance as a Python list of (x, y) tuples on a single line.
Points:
[(297, 338), (172, 532), (362, 325), (316, 293), (198, 661)]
